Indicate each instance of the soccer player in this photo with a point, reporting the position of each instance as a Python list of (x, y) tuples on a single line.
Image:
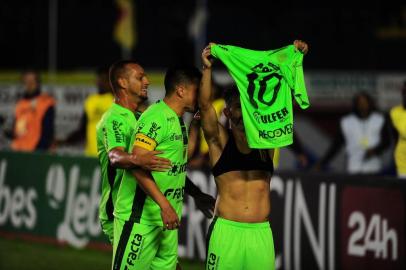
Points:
[(115, 136), (240, 235), (148, 210)]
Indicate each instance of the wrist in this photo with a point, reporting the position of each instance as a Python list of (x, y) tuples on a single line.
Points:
[(205, 67), (164, 203), (135, 160)]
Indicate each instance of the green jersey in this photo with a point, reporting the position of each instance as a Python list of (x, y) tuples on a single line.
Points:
[(159, 128), (266, 80), (116, 128)]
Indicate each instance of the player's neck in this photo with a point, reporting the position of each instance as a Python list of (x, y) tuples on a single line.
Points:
[(126, 102), (175, 104)]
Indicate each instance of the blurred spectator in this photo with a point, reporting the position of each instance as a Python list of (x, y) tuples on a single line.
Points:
[(33, 127), (364, 133), (94, 107), (398, 123)]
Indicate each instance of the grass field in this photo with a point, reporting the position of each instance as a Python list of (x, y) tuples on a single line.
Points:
[(19, 255)]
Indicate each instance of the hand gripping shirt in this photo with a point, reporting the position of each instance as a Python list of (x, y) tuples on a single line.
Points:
[(266, 81), (159, 128), (116, 128)]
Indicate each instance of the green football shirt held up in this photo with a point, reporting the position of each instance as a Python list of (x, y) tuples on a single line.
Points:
[(266, 81)]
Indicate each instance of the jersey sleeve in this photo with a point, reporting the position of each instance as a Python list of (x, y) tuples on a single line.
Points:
[(151, 130), (291, 64), (114, 131)]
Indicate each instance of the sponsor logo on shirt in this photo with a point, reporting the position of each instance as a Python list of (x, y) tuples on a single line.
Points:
[(175, 193), (212, 260), (117, 131), (276, 133), (272, 117), (152, 133), (135, 247), (176, 137), (140, 127), (177, 168), (170, 119)]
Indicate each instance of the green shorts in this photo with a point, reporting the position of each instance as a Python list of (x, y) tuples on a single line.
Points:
[(239, 246), (141, 246), (108, 229)]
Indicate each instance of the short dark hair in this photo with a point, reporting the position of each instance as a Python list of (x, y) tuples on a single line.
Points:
[(367, 96), (230, 93), (116, 71), (180, 75)]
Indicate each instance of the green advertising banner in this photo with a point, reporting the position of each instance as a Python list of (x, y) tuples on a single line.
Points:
[(51, 197), (319, 221)]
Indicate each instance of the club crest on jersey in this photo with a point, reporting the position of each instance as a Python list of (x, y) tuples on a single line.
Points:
[(263, 68)]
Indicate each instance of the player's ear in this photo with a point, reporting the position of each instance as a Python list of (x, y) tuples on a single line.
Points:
[(180, 91), (122, 82)]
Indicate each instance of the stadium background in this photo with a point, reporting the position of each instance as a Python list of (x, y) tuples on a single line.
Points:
[(352, 47)]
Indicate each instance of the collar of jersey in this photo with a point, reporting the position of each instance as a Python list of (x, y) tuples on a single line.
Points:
[(122, 109), (168, 108)]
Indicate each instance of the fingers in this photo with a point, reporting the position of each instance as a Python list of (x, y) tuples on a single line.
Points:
[(162, 161), (301, 46), (172, 225)]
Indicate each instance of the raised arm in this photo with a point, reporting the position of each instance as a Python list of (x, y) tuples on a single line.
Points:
[(208, 114)]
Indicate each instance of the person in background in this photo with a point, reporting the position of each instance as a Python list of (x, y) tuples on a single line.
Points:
[(33, 127), (365, 134), (95, 105), (398, 124)]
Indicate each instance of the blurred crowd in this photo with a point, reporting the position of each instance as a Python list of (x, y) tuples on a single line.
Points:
[(364, 133)]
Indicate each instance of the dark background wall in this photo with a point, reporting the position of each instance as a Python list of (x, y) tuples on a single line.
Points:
[(341, 36)]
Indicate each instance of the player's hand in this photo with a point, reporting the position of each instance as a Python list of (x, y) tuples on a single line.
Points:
[(151, 162), (207, 61), (301, 46), (169, 217), (205, 203)]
